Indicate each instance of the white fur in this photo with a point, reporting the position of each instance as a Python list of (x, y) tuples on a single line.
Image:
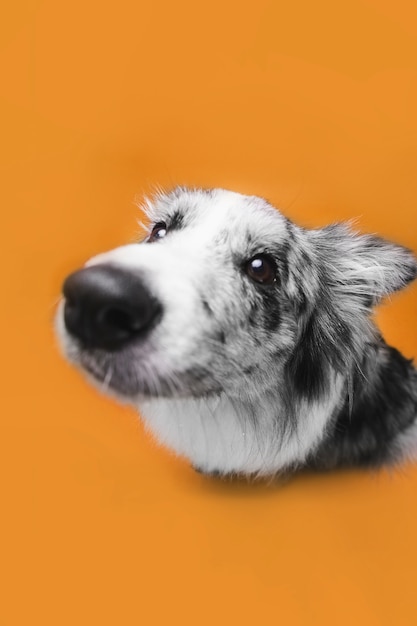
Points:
[(219, 435)]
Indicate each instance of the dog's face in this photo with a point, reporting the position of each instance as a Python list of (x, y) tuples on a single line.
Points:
[(212, 267), (226, 295)]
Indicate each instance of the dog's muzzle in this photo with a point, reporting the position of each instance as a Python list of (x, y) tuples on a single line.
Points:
[(108, 307)]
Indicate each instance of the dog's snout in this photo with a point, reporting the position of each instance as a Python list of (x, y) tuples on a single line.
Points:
[(108, 307)]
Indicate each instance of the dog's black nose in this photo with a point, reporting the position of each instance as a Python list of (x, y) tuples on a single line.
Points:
[(107, 307)]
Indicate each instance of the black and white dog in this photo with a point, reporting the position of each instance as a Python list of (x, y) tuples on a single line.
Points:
[(246, 341)]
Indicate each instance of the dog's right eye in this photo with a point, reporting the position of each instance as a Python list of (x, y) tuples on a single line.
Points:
[(262, 269), (158, 232)]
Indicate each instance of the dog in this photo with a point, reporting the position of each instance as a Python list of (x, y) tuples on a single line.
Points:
[(247, 342)]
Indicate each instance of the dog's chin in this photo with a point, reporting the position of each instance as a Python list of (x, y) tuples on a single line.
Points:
[(115, 388), (125, 384), (130, 387), (116, 379)]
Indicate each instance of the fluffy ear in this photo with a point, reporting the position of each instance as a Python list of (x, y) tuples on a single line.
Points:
[(342, 276), (363, 267)]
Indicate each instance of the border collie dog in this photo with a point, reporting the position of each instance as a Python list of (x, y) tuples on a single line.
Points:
[(247, 342)]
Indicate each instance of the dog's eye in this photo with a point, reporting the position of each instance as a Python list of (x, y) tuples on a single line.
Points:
[(158, 232), (262, 269)]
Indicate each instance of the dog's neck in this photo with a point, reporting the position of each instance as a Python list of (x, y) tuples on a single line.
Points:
[(372, 424), (226, 435), (377, 423)]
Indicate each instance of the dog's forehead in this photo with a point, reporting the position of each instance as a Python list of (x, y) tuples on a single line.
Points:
[(218, 211)]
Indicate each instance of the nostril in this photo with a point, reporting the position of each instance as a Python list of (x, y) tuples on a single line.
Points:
[(118, 319)]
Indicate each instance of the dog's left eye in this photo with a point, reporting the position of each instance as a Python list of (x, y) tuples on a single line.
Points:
[(158, 232), (262, 269)]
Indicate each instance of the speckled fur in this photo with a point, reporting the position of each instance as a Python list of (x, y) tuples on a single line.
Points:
[(243, 378)]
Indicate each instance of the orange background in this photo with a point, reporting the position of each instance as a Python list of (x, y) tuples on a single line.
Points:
[(311, 104)]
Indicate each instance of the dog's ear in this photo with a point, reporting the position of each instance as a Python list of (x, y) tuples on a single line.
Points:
[(341, 277), (362, 267)]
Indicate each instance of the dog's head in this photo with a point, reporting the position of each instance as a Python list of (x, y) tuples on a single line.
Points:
[(225, 294)]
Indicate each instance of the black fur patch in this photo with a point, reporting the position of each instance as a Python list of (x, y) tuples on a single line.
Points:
[(222, 337), (383, 406), (264, 312), (283, 265), (307, 370), (207, 307), (176, 221), (271, 315), (325, 342)]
